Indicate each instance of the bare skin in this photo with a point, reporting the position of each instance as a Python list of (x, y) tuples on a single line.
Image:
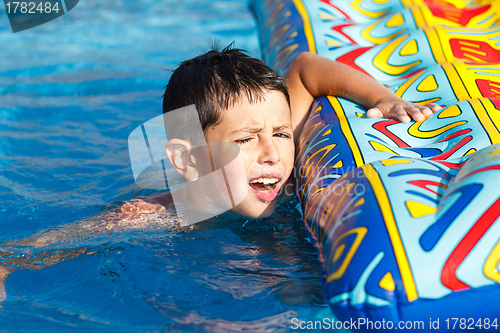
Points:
[(141, 213), (311, 76), (305, 79)]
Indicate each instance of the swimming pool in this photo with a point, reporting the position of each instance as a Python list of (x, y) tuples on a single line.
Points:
[(72, 90)]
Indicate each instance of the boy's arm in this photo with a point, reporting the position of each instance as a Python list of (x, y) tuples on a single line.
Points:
[(311, 76), (156, 211), (140, 213)]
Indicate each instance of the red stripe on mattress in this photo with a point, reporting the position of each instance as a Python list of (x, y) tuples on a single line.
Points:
[(381, 126), (448, 276), (349, 58), (448, 153), (338, 28)]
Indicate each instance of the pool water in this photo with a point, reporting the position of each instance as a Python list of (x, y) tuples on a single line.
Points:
[(71, 92)]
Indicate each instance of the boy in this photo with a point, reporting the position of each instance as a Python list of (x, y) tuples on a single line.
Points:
[(241, 100)]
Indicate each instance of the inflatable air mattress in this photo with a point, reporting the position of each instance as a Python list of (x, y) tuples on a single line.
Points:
[(405, 215)]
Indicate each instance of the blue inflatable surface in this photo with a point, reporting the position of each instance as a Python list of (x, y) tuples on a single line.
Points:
[(405, 215)]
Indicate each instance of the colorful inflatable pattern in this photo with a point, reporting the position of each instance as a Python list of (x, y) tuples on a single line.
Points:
[(405, 215)]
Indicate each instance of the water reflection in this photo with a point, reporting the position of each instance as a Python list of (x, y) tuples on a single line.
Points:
[(239, 274), (225, 273)]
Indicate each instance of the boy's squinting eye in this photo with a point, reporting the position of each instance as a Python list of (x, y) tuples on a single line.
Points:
[(279, 135), (283, 135), (241, 141)]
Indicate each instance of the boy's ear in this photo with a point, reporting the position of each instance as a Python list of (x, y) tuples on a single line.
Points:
[(180, 156)]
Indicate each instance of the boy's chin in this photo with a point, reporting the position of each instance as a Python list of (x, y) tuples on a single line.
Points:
[(255, 210)]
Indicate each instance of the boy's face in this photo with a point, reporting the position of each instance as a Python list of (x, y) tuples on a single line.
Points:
[(263, 131)]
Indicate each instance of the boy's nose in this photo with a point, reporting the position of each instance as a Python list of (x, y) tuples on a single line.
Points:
[(269, 151)]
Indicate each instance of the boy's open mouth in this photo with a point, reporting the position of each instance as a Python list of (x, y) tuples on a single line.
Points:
[(265, 188), (264, 184)]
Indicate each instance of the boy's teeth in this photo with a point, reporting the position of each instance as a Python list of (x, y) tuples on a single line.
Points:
[(265, 180)]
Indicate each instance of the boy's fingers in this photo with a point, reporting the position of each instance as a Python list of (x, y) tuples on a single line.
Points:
[(434, 107), (414, 112), (374, 113), (425, 110), (401, 113), (405, 112)]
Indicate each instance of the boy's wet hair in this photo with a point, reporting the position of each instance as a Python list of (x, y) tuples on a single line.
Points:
[(216, 81)]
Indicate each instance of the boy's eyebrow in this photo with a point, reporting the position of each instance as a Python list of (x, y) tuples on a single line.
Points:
[(282, 127), (251, 130), (255, 130)]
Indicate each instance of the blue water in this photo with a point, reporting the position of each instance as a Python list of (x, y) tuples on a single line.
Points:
[(71, 92)]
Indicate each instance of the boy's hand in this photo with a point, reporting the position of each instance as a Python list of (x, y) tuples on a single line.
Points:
[(140, 206), (402, 111), (4, 272)]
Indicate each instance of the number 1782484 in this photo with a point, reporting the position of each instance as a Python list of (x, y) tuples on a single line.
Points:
[(39, 7)]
